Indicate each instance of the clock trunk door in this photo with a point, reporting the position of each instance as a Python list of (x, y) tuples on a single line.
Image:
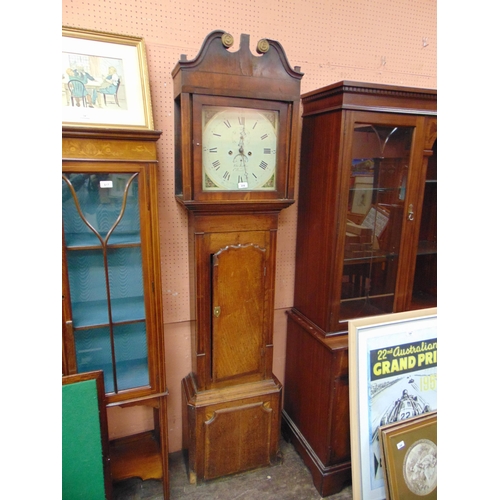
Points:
[(238, 320)]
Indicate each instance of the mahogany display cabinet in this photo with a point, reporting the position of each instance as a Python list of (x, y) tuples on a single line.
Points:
[(112, 305), (366, 245)]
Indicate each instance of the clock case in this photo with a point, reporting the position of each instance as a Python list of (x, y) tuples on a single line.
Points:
[(231, 399)]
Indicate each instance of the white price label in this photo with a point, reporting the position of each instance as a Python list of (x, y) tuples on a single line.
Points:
[(106, 184)]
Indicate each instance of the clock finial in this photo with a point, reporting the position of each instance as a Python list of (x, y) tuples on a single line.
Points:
[(262, 46), (227, 40)]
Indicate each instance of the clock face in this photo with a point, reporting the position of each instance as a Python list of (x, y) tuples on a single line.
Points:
[(239, 148)]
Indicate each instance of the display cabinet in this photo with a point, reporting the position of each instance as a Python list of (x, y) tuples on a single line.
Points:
[(366, 245), (112, 307)]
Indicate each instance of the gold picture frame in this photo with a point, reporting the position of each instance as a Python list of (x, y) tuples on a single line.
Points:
[(392, 377), (409, 458), (104, 80)]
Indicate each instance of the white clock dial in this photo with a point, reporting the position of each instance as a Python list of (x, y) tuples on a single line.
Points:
[(239, 148)]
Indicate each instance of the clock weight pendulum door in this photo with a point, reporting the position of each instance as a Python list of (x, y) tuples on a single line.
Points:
[(238, 289)]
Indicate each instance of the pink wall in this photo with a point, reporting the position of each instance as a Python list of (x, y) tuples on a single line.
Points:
[(383, 41)]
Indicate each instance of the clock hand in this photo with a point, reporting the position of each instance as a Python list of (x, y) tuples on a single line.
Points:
[(244, 159), (241, 144)]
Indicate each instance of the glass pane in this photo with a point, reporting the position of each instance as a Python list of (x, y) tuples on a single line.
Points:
[(85, 196), (93, 203), (87, 284), (128, 229), (126, 284), (425, 280), (101, 223), (379, 172), (131, 353), (93, 352)]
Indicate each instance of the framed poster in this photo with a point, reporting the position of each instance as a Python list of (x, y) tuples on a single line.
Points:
[(104, 80), (392, 377), (409, 458)]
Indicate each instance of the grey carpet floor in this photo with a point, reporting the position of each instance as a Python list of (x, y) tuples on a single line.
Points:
[(290, 480)]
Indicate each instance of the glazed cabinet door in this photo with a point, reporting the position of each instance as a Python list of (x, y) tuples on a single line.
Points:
[(424, 286), (383, 175), (106, 241)]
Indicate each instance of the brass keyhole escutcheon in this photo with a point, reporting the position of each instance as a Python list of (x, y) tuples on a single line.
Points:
[(217, 311), (411, 214)]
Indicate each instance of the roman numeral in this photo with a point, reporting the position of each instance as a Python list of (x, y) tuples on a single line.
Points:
[(216, 164), (227, 124), (212, 150), (264, 136), (267, 151), (241, 120), (263, 165), (227, 175)]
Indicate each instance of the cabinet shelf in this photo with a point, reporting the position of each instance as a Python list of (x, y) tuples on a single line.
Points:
[(78, 241), (427, 248), (136, 455), (95, 313), (375, 258), (130, 374), (357, 308), (374, 189)]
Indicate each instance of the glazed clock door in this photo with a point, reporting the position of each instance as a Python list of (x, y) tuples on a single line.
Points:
[(239, 148), (104, 256), (380, 201), (238, 316)]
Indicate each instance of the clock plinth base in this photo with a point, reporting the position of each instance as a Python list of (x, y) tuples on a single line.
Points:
[(230, 430)]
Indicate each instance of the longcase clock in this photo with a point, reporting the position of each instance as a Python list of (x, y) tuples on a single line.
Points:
[(236, 151)]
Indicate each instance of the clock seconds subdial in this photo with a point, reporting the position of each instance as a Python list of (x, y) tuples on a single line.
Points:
[(239, 149)]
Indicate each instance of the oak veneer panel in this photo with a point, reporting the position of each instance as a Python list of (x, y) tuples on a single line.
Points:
[(238, 333), (231, 429), (238, 438)]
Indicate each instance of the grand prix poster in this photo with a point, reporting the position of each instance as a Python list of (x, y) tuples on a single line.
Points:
[(392, 377)]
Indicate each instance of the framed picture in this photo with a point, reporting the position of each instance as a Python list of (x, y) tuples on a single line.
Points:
[(392, 377), (409, 458), (104, 80), (362, 199), (363, 193)]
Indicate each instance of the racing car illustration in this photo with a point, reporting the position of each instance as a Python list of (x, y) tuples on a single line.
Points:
[(405, 407)]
